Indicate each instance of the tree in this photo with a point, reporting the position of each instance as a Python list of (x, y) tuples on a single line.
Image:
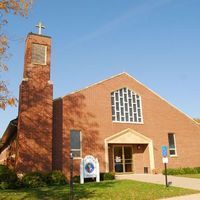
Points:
[(16, 7)]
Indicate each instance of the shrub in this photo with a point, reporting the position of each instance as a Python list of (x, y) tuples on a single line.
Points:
[(179, 171), (8, 178), (109, 176), (189, 170), (56, 178), (34, 180), (4, 185), (197, 169), (76, 179), (175, 171)]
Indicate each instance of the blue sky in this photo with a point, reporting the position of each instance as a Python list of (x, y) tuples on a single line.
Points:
[(155, 41)]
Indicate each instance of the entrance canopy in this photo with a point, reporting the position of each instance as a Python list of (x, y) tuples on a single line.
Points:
[(129, 136)]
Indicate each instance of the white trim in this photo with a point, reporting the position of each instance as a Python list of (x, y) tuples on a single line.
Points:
[(128, 130), (173, 149), (130, 102), (80, 157), (123, 157), (162, 99), (140, 95), (128, 122), (99, 82), (145, 139)]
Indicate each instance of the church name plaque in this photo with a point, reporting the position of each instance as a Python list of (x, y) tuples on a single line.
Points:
[(89, 168)]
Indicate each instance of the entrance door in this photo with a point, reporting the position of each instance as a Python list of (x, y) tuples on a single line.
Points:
[(122, 158)]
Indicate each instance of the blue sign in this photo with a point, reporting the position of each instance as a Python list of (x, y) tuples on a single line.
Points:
[(164, 151)]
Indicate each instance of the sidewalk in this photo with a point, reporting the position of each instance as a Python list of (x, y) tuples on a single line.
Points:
[(186, 197), (189, 183)]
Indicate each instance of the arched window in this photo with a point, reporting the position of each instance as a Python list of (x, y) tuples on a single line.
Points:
[(126, 106)]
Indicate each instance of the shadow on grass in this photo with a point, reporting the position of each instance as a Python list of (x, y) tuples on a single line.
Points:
[(86, 191)]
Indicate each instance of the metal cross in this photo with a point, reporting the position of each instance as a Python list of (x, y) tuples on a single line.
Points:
[(40, 27)]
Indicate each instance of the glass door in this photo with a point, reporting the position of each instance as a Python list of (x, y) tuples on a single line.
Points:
[(118, 160), (127, 159), (122, 158)]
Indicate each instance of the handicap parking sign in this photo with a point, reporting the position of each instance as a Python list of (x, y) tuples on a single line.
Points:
[(164, 151)]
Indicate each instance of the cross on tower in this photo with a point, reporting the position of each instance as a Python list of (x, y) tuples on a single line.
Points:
[(40, 27)]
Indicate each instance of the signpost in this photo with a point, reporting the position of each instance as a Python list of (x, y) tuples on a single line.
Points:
[(165, 161), (89, 168), (71, 196)]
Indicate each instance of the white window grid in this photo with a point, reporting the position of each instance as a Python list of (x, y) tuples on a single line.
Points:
[(78, 150), (172, 148), (126, 106)]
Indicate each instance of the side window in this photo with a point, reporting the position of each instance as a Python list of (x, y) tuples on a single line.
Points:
[(75, 143), (172, 144)]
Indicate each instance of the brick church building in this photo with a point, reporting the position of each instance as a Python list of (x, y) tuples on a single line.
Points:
[(118, 120)]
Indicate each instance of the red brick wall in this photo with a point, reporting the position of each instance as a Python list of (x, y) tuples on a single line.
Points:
[(57, 134), (140, 158), (34, 150), (90, 111)]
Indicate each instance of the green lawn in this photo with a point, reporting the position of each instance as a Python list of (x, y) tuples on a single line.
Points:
[(190, 175), (108, 190)]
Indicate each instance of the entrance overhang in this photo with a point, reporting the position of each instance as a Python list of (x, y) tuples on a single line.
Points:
[(129, 136)]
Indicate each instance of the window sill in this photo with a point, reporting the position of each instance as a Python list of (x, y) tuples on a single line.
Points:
[(77, 158), (173, 156), (128, 122)]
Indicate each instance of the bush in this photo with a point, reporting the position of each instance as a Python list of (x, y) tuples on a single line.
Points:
[(197, 169), (190, 170), (171, 171), (76, 179), (56, 178), (179, 171), (34, 180), (109, 176), (8, 178)]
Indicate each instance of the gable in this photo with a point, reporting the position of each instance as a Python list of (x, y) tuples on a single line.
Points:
[(125, 80), (128, 136)]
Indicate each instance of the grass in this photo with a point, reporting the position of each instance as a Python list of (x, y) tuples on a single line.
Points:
[(108, 190), (190, 175)]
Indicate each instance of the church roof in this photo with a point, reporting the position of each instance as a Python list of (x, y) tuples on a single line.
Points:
[(128, 75), (9, 134), (99, 82)]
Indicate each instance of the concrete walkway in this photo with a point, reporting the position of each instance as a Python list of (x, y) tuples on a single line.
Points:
[(189, 183), (186, 197)]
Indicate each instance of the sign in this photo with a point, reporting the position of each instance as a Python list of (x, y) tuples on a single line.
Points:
[(89, 168), (118, 159), (165, 160), (164, 151)]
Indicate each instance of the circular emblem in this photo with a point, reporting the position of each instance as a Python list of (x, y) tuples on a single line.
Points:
[(89, 167)]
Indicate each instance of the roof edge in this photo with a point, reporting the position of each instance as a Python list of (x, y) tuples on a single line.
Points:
[(114, 76), (165, 100), (99, 82)]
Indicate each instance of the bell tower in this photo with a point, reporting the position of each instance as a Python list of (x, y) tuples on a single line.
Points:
[(34, 148)]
